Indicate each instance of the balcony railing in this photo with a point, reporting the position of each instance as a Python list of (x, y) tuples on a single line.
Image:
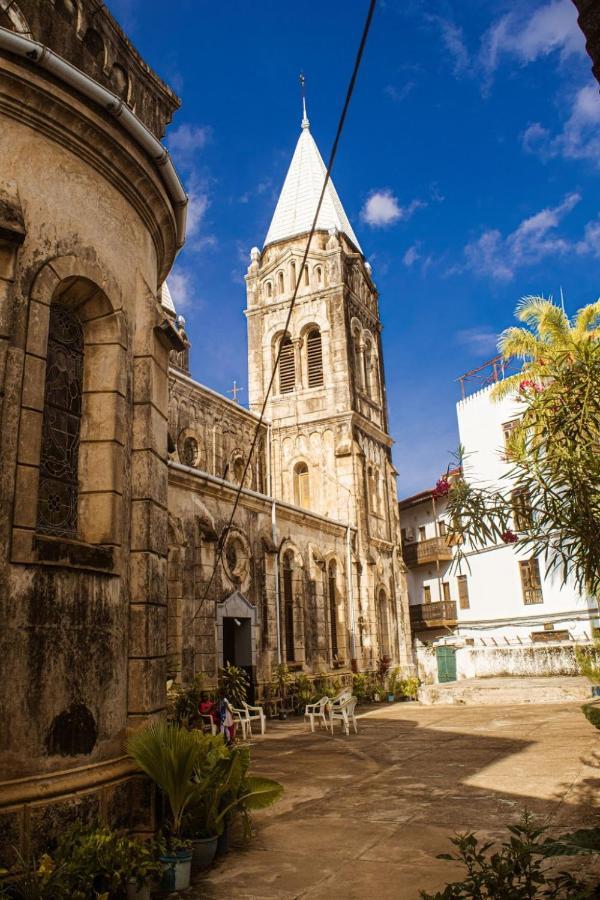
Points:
[(433, 615), (427, 551)]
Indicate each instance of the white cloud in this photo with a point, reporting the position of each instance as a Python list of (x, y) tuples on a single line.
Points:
[(198, 203), (180, 287), (453, 39), (580, 136), (398, 94), (185, 141), (552, 27), (411, 256), (535, 238), (590, 242), (382, 209), (479, 340)]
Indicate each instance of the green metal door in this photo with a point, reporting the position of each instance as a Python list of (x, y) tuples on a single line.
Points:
[(446, 663)]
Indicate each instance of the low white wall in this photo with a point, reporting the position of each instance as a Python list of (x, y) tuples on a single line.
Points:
[(486, 662)]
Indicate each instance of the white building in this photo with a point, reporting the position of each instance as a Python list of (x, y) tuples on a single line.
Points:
[(500, 598)]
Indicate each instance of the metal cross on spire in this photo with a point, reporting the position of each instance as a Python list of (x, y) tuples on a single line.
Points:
[(305, 122), (235, 390)]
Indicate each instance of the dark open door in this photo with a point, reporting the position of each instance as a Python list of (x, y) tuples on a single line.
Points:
[(237, 647)]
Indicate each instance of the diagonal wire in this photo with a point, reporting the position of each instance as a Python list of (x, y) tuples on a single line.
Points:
[(260, 421)]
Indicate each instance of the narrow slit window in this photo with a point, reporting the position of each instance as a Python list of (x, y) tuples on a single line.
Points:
[(280, 283), (333, 609), (287, 366), (463, 591), (314, 354), (288, 608), (531, 582)]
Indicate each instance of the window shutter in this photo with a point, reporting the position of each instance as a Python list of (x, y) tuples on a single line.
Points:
[(531, 581), (314, 352), (287, 368), (463, 591)]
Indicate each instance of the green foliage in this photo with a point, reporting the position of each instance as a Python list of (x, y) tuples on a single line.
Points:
[(360, 687), (588, 659), (234, 682), (185, 700), (554, 448), (225, 790), (518, 869), (410, 687), (282, 678), (592, 713), (89, 862), (170, 755)]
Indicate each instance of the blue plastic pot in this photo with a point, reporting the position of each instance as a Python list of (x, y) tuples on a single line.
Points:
[(177, 870)]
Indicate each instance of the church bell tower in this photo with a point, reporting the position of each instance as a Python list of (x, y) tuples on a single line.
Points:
[(330, 447)]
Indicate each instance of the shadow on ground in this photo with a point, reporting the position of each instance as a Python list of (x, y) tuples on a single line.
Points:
[(365, 816)]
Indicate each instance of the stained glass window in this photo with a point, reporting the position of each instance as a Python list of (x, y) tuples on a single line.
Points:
[(57, 495)]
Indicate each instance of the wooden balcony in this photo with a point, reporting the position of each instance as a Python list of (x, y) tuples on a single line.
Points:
[(432, 550), (433, 615)]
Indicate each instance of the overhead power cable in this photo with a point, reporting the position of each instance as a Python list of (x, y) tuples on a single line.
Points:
[(332, 156)]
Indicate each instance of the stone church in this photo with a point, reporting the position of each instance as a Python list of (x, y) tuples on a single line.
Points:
[(119, 471)]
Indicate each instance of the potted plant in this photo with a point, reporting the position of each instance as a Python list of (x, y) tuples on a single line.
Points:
[(394, 681), (282, 678), (234, 684), (138, 866), (170, 756), (410, 688)]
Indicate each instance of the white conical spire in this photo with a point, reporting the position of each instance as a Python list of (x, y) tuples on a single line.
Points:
[(300, 194)]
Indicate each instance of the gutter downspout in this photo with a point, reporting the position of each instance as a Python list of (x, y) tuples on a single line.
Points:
[(351, 600), (277, 621), (111, 103)]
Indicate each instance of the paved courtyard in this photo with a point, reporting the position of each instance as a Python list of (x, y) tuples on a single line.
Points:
[(364, 816)]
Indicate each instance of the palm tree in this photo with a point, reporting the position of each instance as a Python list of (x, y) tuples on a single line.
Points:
[(549, 340), (170, 755)]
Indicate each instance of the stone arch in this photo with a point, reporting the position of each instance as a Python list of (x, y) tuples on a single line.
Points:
[(97, 451), (190, 449), (237, 606), (236, 559)]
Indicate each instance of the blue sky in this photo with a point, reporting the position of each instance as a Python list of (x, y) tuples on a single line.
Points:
[(469, 168)]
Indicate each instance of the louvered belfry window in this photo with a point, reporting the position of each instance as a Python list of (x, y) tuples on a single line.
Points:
[(314, 353), (287, 367), (58, 485)]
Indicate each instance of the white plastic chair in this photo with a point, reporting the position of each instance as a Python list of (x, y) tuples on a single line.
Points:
[(239, 717), (342, 697), (208, 720), (317, 711), (345, 713), (253, 713)]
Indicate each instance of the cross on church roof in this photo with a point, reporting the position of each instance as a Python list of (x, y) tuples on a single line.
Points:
[(235, 390)]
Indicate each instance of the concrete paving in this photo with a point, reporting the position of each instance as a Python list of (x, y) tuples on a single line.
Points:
[(364, 816)]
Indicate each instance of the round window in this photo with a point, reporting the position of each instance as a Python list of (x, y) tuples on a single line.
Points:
[(236, 559)]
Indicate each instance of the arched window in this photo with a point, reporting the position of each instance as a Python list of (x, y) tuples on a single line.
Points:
[(190, 451), (237, 467), (269, 288), (333, 618), (319, 275), (58, 485), (301, 485), (292, 275), (288, 605), (367, 362), (287, 366), (377, 507), (306, 276), (280, 283), (314, 358)]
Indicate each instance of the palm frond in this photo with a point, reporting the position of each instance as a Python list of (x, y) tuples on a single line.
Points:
[(521, 343), (587, 319)]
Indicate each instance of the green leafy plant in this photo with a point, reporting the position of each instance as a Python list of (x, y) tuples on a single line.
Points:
[(303, 691), (588, 659), (360, 686), (225, 789), (185, 699), (410, 687), (592, 713), (518, 869), (553, 448), (234, 683), (41, 879), (170, 755)]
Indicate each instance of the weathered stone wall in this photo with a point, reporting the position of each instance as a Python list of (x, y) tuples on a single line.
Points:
[(489, 662), (87, 227)]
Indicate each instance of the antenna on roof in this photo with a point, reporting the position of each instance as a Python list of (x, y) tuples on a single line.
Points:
[(305, 122)]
